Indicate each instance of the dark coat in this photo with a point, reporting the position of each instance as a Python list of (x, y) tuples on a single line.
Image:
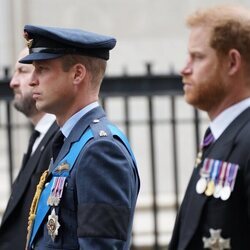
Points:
[(199, 213), (98, 202), (14, 223)]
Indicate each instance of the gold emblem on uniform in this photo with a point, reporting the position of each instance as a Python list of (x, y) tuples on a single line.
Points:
[(29, 41), (63, 166), (215, 241)]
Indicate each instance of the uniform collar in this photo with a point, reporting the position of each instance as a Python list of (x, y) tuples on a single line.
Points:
[(71, 122)]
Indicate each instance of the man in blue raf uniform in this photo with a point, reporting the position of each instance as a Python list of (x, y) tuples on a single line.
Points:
[(89, 193), (215, 213)]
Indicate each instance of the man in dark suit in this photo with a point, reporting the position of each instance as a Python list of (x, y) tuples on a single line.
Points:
[(215, 212), (89, 197), (13, 230)]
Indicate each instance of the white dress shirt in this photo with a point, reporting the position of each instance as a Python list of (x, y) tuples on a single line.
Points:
[(43, 126), (223, 120)]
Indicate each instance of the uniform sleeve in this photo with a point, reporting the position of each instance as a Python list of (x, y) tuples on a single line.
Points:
[(106, 188)]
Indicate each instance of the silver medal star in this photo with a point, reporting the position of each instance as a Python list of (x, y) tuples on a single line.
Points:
[(53, 225), (216, 242)]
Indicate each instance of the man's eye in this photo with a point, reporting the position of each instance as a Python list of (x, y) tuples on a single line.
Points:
[(22, 70), (40, 69), (198, 56)]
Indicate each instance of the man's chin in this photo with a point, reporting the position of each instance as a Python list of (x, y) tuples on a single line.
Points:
[(41, 107)]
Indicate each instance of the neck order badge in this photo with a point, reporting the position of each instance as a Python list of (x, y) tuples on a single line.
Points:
[(207, 141)]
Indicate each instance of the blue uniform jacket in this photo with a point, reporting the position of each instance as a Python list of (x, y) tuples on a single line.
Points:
[(98, 202)]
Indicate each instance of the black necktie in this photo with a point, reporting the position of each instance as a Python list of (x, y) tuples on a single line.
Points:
[(57, 144), (32, 140)]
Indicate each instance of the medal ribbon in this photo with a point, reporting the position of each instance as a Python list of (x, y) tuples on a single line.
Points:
[(61, 186), (227, 174), (220, 167), (215, 170), (57, 190), (232, 176), (223, 171), (204, 172)]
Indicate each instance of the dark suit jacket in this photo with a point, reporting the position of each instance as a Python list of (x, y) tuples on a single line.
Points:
[(97, 206), (14, 223), (199, 213)]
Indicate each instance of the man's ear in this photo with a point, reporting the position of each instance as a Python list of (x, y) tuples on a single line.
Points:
[(234, 61), (79, 73)]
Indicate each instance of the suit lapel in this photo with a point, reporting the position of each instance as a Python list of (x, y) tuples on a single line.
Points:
[(193, 203), (22, 181)]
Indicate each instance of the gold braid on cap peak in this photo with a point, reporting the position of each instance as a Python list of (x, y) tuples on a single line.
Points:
[(29, 41), (34, 204)]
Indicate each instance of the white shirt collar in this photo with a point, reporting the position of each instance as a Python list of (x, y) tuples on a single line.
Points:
[(222, 121), (45, 122), (43, 126)]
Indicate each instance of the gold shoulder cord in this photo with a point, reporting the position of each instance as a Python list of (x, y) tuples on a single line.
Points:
[(34, 204)]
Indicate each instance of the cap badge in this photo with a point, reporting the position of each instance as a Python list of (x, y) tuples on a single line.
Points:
[(29, 42)]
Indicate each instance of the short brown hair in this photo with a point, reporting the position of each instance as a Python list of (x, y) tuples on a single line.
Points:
[(230, 28), (95, 66)]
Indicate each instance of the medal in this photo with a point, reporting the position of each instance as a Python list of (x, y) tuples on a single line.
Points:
[(204, 174), (211, 184), (230, 178), (201, 185), (217, 191), (219, 185), (210, 188), (56, 191), (53, 225), (225, 192), (53, 201)]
